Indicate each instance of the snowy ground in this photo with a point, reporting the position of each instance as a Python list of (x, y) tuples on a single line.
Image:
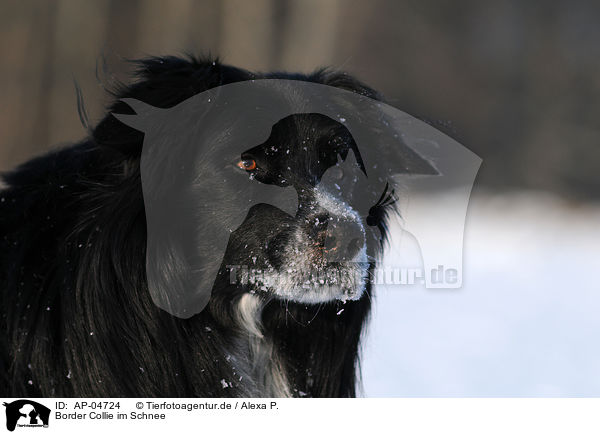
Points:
[(525, 323)]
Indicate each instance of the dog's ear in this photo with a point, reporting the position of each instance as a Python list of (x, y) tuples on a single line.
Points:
[(164, 82)]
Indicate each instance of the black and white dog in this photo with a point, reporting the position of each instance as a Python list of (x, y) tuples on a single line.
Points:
[(77, 318)]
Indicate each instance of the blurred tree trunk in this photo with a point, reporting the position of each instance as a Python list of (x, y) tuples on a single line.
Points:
[(166, 25), (27, 47), (310, 34), (247, 36), (80, 29)]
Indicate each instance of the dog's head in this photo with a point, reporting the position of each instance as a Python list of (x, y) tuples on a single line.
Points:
[(320, 252), (282, 186)]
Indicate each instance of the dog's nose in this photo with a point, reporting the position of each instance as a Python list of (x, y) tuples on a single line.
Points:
[(344, 240), (339, 238), (342, 246)]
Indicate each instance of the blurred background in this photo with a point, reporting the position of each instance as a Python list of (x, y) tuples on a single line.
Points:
[(517, 82)]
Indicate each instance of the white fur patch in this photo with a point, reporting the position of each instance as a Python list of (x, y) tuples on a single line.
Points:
[(248, 315), (265, 365)]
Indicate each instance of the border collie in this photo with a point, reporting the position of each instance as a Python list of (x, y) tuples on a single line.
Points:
[(77, 318)]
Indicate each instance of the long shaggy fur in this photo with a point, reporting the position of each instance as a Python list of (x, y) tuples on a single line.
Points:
[(76, 316)]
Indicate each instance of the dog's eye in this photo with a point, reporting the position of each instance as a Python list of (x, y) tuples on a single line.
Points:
[(247, 164)]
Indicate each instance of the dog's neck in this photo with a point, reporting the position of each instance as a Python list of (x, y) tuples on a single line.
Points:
[(279, 348), (262, 358)]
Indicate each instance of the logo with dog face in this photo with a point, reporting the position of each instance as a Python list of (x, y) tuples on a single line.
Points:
[(25, 413), (314, 173)]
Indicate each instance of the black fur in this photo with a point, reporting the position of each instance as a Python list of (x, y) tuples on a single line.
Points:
[(77, 318)]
